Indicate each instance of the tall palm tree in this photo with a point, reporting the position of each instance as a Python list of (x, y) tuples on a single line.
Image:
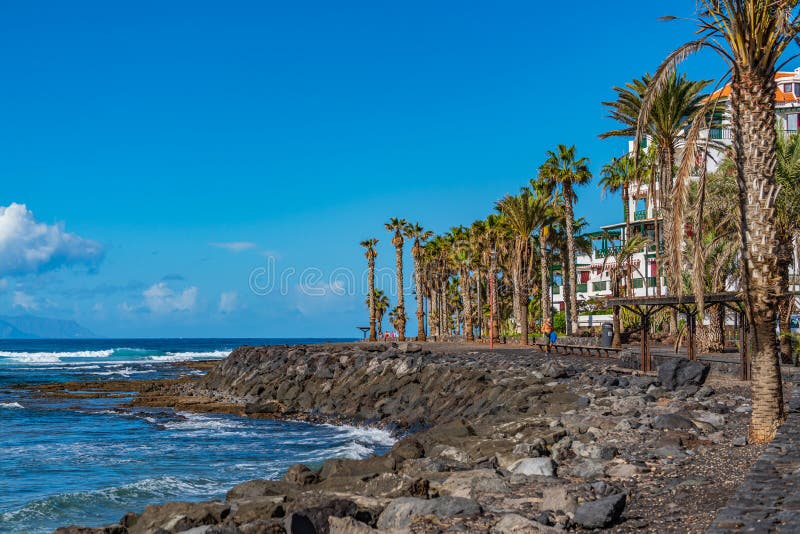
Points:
[(545, 190), (523, 214), (478, 244), (787, 213), (563, 169), (621, 269), (419, 235), (370, 253), (399, 227), (381, 305), (495, 228), (676, 107), (751, 36)]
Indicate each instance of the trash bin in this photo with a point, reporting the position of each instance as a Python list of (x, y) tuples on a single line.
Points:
[(607, 335)]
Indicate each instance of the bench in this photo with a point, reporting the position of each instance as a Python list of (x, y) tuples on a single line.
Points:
[(580, 350)]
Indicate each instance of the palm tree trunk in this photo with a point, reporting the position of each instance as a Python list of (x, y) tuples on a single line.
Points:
[(754, 141), (495, 326), (544, 271), (371, 288), (400, 313), (784, 298), (478, 309), (617, 323), (572, 326), (420, 301), (466, 297), (521, 312)]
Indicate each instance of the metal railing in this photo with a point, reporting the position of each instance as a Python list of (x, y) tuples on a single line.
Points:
[(639, 215), (581, 288)]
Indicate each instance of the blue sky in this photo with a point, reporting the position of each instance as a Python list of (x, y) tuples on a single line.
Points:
[(165, 151)]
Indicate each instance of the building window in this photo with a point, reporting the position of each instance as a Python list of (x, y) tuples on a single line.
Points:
[(787, 88), (797, 89)]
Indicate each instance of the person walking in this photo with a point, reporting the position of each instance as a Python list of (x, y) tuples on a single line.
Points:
[(549, 334)]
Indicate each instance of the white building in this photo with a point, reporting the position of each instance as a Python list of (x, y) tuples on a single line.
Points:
[(643, 215)]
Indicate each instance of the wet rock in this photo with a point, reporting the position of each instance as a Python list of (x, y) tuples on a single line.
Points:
[(314, 519), (680, 372), (246, 511), (179, 516), (300, 475), (260, 488), (534, 466), (400, 512), (110, 529), (367, 466), (407, 449), (600, 513)]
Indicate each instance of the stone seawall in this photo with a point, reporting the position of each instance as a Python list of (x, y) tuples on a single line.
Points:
[(505, 442), (769, 499), (401, 387)]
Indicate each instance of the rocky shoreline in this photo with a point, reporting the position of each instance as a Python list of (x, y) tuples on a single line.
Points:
[(503, 441)]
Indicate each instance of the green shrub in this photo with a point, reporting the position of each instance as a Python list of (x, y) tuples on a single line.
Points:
[(560, 322)]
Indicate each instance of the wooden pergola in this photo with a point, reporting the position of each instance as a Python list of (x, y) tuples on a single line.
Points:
[(646, 307)]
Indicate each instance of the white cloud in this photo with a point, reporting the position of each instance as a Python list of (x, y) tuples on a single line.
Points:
[(160, 298), (24, 301), (28, 246), (235, 246), (228, 301)]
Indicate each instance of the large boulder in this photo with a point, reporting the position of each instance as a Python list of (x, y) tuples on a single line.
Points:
[(680, 372), (600, 513), (300, 475), (672, 421), (315, 519), (179, 516), (400, 512)]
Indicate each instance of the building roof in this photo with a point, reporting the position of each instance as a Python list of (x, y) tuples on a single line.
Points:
[(780, 95)]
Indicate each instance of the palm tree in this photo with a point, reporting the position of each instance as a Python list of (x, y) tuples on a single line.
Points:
[(751, 36), (381, 305), (495, 228), (676, 107), (370, 253), (399, 227), (788, 224), (419, 235), (562, 168), (545, 190), (523, 214), (619, 270), (618, 176)]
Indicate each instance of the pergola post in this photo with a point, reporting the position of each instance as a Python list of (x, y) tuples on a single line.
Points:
[(744, 342), (644, 364), (691, 327)]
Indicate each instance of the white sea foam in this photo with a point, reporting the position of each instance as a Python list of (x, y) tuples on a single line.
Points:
[(182, 356), (11, 405), (126, 372), (198, 422), (53, 357)]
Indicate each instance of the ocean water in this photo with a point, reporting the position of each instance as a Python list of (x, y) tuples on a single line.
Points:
[(89, 461)]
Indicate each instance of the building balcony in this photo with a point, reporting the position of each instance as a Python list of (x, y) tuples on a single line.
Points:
[(727, 133), (581, 288)]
